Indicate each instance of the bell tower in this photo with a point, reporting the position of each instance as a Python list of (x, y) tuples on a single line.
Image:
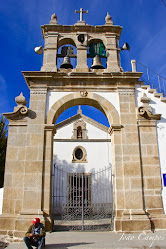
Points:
[(88, 41)]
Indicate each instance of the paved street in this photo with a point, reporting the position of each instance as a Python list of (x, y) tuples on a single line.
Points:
[(105, 240)]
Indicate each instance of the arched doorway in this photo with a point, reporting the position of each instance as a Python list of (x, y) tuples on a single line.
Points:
[(77, 188)]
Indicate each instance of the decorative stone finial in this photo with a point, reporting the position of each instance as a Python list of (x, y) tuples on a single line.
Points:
[(108, 20), (20, 111), (79, 110), (53, 19), (145, 99), (20, 100)]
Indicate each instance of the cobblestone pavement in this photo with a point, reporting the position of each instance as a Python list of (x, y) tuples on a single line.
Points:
[(105, 240)]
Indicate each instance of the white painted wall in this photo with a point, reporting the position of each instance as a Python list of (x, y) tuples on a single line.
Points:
[(52, 97), (158, 107), (93, 132)]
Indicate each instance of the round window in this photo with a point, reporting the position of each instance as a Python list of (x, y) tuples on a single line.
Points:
[(79, 154)]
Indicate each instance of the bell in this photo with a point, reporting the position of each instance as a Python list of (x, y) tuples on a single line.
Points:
[(66, 63), (97, 63)]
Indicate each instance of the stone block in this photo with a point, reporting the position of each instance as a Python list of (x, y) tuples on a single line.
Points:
[(159, 223), (14, 167), (8, 180), (136, 225), (35, 129), (151, 170), (136, 183), (13, 193), (21, 153), (32, 153), (133, 199), (41, 105), (36, 140), (18, 180), (152, 183), (153, 202), (124, 107), (8, 206), (131, 138), (13, 129), (150, 160), (120, 200), (128, 119), (34, 167), (148, 139), (22, 129), (130, 149), (32, 181), (32, 199), (119, 183), (18, 206), (7, 223), (12, 153), (132, 169)]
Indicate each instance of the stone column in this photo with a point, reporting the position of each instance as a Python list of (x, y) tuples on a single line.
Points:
[(47, 175), (117, 171), (32, 189), (113, 62), (151, 172), (82, 59), (50, 53), (134, 217), (14, 175)]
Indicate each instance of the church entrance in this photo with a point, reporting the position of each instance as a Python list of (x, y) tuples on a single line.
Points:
[(82, 201)]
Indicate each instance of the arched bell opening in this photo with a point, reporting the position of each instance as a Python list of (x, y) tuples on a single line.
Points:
[(67, 54), (96, 54)]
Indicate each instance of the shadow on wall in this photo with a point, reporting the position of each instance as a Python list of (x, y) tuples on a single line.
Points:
[(100, 182)]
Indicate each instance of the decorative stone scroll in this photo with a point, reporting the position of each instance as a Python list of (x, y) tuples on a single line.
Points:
[(83, 93), (146, 110), (20, 111)]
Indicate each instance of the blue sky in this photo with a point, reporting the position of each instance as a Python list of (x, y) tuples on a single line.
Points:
[(143, 22)]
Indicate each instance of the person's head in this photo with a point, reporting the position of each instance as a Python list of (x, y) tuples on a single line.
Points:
[(36, 222)]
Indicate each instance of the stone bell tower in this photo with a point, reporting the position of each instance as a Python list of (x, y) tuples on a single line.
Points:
[(28, 170)]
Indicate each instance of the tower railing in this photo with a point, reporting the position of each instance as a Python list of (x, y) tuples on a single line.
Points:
[(149, 77)]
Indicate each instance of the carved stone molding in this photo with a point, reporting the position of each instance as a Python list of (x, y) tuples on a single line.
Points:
[(145, 110), (39, 91), (83, 93), (114, 127), (20, 111)]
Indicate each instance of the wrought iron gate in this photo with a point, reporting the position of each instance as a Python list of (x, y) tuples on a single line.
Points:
[(82, 201)]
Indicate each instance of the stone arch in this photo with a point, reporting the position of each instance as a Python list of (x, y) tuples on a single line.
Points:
[(96, 40), (65, 41), (91, 99)]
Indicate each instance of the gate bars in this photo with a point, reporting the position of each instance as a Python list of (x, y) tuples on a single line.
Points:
[(82, 201)]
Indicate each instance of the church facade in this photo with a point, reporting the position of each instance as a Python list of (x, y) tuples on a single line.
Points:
[(130, 151)]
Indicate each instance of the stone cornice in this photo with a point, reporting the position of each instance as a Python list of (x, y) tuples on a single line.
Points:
[(73, 79), (82, 140), (54, 29)]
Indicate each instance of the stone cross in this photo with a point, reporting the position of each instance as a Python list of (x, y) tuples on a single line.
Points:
[(81, 11)]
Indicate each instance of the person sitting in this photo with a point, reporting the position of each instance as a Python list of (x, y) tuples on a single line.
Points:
[(35, 236)]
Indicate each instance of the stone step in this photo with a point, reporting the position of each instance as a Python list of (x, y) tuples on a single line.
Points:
[(154, 91)]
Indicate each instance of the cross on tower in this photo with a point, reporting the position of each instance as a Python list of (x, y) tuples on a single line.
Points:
[(81, 11)]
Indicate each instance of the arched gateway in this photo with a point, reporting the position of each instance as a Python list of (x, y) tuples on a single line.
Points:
[(32, 133)]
